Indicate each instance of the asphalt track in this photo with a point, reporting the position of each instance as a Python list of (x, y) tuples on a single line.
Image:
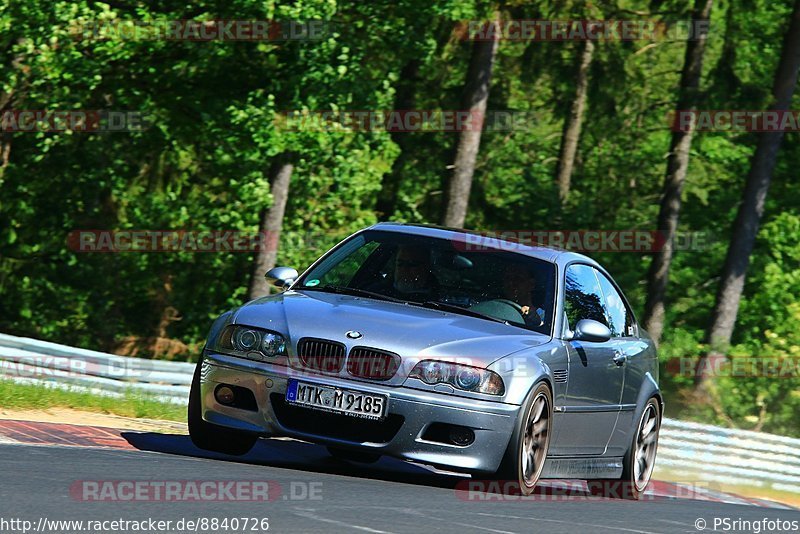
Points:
[(43, 464)]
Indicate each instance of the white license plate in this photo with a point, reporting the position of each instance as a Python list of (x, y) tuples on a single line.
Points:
[(337, 400)]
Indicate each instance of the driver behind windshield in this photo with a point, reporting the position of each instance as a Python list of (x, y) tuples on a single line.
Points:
[(412, 273), (519, 285)]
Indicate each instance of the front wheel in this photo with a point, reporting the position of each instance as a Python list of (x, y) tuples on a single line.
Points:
[(527, 451), (209, 436), (639, 461)]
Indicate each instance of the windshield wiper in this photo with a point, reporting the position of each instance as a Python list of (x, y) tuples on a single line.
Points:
[(438, 305), (343, 290)]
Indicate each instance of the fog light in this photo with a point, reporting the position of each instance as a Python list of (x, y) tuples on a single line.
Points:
[(461, 436), (224, 395)]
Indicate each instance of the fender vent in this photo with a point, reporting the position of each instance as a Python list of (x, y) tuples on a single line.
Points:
[(560, 375)]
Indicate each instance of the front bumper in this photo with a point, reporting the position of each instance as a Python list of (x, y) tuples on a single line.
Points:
[(410, 412)]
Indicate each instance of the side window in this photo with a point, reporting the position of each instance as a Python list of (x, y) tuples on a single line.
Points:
[(619, 318), (583, 296)]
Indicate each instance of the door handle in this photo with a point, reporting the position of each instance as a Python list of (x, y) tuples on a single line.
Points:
[(620, 358)]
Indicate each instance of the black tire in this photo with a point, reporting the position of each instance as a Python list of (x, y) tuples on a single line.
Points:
[(633, 482), (354, 456), (515, 469), (211, 437)]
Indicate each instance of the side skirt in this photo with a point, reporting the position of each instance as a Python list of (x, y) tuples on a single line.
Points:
[(582, 468)]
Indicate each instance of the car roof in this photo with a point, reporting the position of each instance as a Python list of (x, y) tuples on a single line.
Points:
[(488, 240)]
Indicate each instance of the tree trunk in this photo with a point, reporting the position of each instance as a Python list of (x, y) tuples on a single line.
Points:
[(270, 227), (677, 165), (7, 103), (386, 203), (476, 96), (5, 153), (751, 209), (572, 126)]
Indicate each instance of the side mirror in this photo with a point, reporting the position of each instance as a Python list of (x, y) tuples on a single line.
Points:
[(591, 331), (281, 276)]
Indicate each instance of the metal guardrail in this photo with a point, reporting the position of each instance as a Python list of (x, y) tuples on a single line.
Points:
[(28, 360), (691, 450), (730, 456)]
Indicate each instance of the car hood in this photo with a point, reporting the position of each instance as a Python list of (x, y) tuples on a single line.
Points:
[(413, 332)]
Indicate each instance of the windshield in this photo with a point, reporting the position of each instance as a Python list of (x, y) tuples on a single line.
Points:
[(438, 273)]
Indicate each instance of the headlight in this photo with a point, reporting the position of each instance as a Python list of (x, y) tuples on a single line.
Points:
[(273, 344), (251, 343), (463, 377), (245, 339)]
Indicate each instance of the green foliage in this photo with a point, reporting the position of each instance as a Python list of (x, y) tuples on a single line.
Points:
[(759, 387), (769, 322)]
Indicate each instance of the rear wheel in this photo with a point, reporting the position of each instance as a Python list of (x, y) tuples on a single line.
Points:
[(354, 456), (639, 461), (527, 451), (213, 437)]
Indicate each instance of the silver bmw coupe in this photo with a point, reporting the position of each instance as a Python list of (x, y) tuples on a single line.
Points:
[(443, 347)]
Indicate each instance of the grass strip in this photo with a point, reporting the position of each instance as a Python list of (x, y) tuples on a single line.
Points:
[(131, 404)]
